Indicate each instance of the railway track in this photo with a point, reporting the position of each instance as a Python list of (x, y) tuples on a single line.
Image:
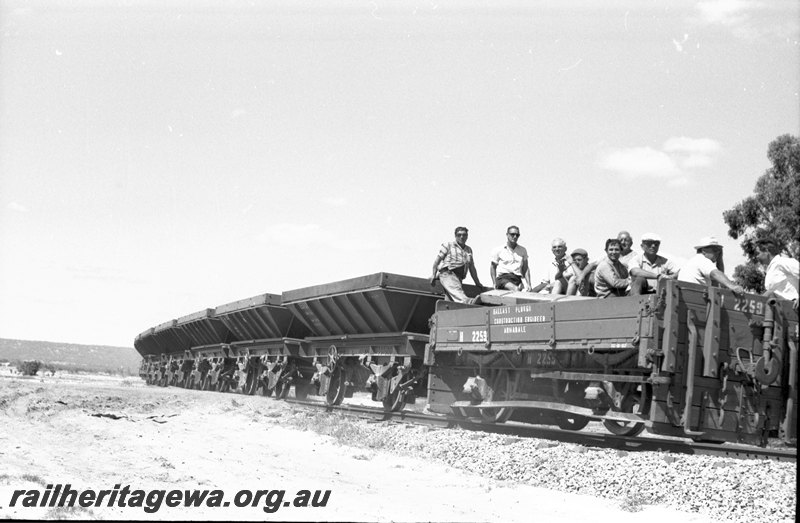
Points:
[(584, 438)]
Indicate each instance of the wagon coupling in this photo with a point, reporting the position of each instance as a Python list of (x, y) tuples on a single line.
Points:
[(767, 368)]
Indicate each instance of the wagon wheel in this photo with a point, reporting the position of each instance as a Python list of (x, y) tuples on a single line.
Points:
[(251, 385), (504, 386), (265, 390), (336, 386), (567, 421), (282, 387), (630, 404), (394, 401)]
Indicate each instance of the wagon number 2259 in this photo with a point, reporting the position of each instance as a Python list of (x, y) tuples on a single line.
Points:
[(751, 306), (478, 336)]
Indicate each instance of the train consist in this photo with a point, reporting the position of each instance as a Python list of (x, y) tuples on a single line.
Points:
[(689, 361)]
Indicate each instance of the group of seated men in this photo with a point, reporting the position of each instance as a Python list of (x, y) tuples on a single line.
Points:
[(621, 271)]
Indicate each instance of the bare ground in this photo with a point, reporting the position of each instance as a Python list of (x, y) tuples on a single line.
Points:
[(97, 432)]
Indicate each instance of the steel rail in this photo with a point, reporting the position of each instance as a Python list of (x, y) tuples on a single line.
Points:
[(587, 439)]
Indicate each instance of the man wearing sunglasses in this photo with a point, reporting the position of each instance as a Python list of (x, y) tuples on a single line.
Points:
[(648, 267), (509, 268), (451, 265)]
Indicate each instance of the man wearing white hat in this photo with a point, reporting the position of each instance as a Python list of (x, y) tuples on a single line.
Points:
[(706, 267), (648, 267)]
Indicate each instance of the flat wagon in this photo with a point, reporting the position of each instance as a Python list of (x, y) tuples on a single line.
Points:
[(689, 361)]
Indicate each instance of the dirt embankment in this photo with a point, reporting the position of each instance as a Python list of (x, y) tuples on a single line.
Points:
[(97, 433)]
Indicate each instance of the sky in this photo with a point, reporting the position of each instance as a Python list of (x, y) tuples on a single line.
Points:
[(159, 158)]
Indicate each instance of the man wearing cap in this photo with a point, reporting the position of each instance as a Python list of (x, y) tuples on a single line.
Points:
[(509, 264), (555, 283), (706, 267), (451, 265), (647, 268), (781, 278), (584, 287)]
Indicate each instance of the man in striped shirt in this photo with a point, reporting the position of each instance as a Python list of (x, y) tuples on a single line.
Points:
[(451, 265)]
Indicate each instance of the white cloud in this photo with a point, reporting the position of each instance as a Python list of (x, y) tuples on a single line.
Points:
[(726, 12), (749, 19), (695, 160), (16, 207), (691, 153), (640, 161), (675, 160)]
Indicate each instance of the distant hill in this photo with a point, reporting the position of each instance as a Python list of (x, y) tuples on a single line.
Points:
[(73, 357)]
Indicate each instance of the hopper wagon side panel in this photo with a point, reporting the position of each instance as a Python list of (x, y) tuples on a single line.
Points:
[(375, 304), (258, 318), (203, 328)]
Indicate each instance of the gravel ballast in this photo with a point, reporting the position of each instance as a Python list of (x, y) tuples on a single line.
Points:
[(725, 489)]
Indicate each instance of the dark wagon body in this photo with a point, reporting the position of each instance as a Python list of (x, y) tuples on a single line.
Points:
[(688, 361), (267, 346), (367, 332)]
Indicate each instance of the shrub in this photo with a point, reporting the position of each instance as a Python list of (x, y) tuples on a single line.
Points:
[(29, 367)]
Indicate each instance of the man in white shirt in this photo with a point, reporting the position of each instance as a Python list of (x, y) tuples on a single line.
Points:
[(555, 283), (509, 264), (646, 268), (627, 253), (706, 267), (781, 278)]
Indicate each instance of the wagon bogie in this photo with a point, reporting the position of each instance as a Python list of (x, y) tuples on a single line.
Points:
[(368, 334), (387, 365)]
